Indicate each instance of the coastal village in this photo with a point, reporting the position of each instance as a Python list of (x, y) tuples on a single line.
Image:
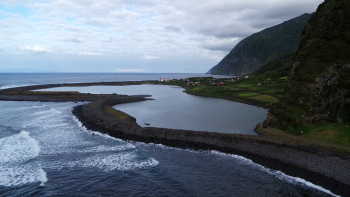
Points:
[(250, 90)]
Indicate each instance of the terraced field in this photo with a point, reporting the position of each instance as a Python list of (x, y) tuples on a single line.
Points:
[(244, 90)]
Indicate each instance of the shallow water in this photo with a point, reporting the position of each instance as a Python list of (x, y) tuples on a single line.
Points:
[(44, 151)]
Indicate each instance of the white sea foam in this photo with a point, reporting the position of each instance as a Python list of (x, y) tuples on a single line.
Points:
[(168, 147), (28, 108), (17, 166), (106, 163), (278, 174), (296, 180), (103, 148), (122, 161), (51, 111), (80, 125), (20, 174), (18, 148)]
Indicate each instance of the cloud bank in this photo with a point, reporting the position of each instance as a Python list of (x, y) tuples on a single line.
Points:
[(128, 31)]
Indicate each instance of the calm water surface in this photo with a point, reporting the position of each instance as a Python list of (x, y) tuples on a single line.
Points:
[(44, 151), (172, 108)]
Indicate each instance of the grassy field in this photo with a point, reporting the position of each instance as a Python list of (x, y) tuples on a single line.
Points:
[(247, 94), (116, 113), (335, 133), (265, 98), (241, 90)]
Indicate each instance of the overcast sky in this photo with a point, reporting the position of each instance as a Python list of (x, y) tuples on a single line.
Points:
[(166, 36)]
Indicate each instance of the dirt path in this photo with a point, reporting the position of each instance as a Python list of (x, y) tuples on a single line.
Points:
[(300, 138)]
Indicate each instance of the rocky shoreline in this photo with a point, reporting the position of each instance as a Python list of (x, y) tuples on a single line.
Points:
[(326, 167)]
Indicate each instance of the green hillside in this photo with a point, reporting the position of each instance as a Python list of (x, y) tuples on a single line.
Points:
[(260, 48), (277, 68), (318, 87)]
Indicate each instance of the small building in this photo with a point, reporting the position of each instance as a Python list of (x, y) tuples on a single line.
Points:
[(160, 79), (246, 76), (268, 80)]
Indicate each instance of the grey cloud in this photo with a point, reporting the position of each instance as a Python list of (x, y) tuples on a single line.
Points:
[(240, 18), (173, 28), (233, 32), (74, 40), (108, 40), (262, 24), (99, 22), (220, 44)]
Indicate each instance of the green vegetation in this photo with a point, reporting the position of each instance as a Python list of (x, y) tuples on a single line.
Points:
[(335, 133), (278, 68), (318, 88), (248, 94), (246, 90), (262, 47), (116, 113), (265, 98), (244, 85)]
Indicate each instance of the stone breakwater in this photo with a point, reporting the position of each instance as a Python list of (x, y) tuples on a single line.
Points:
[(321, 166)]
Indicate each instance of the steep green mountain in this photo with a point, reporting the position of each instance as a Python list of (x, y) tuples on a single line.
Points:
[(318, 87), (262, 47), (277, 68)]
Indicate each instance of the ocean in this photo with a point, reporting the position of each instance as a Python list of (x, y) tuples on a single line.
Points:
[(45, 151)]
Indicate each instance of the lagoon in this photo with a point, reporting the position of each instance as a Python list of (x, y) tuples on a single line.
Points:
[(172, 108)]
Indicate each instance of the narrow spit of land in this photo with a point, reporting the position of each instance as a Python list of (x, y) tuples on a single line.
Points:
[(25, 93), (327, 167)]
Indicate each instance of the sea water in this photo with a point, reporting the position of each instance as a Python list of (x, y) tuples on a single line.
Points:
[(45, 151)]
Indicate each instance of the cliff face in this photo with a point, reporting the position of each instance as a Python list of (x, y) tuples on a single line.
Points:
[(262, 47), (318, 87)]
